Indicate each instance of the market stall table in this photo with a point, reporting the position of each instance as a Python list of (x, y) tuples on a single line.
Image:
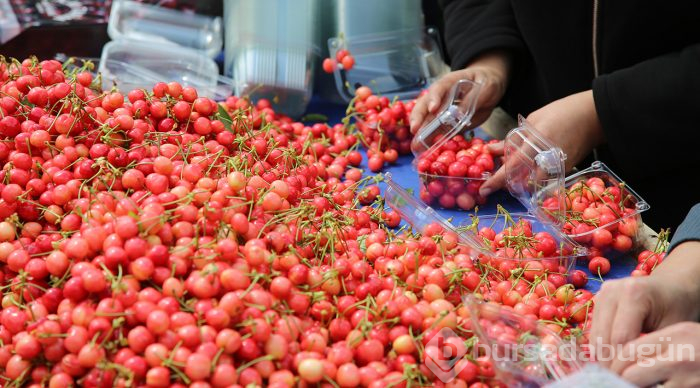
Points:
[(403, 172)]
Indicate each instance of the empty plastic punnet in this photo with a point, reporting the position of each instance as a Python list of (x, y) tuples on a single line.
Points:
[(396, 64), (137, 21)]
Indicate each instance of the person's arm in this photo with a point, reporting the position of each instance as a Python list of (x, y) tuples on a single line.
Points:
[(630, 111), (473, 27), (637, 105), (481, 37)]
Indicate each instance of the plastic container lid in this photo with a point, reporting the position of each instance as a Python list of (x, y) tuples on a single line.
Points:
[(455, 115), (525, 352), (535, 172), (145, 22), (418, 214), (396, 64)]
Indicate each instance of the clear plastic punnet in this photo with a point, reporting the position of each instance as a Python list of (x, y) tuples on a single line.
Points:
[(137, 21), (535, 172), (451, 124), (396, 64), (420, 216), (559, 258), (627, 219), (527, 354)]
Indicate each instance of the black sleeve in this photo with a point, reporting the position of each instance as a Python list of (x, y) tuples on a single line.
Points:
[(475, 26), (641, 106), (689, 229)]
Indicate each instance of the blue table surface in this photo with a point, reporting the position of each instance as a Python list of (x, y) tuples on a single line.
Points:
[(402, 172)]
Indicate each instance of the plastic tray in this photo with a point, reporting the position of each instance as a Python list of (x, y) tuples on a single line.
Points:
[(396, 64), (145, 22), (525, 352), (631, 199)]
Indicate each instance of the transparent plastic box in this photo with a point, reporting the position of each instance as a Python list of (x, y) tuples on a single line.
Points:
[(632, 218), (562, 261), (455, 116), (420, 216), (145, 22), (397, 64), (139, 65), (527, 354)]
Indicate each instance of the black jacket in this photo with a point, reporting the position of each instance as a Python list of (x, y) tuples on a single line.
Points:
[(647, 92)]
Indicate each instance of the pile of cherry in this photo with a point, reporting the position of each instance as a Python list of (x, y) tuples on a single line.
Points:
[(383, 126), (157, 238)]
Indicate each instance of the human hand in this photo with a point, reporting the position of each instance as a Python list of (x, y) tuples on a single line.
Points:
[(670, 356), (571, 123), (627, 307), (490, 70)]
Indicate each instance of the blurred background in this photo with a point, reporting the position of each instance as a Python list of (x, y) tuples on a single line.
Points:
[(261, 48)]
